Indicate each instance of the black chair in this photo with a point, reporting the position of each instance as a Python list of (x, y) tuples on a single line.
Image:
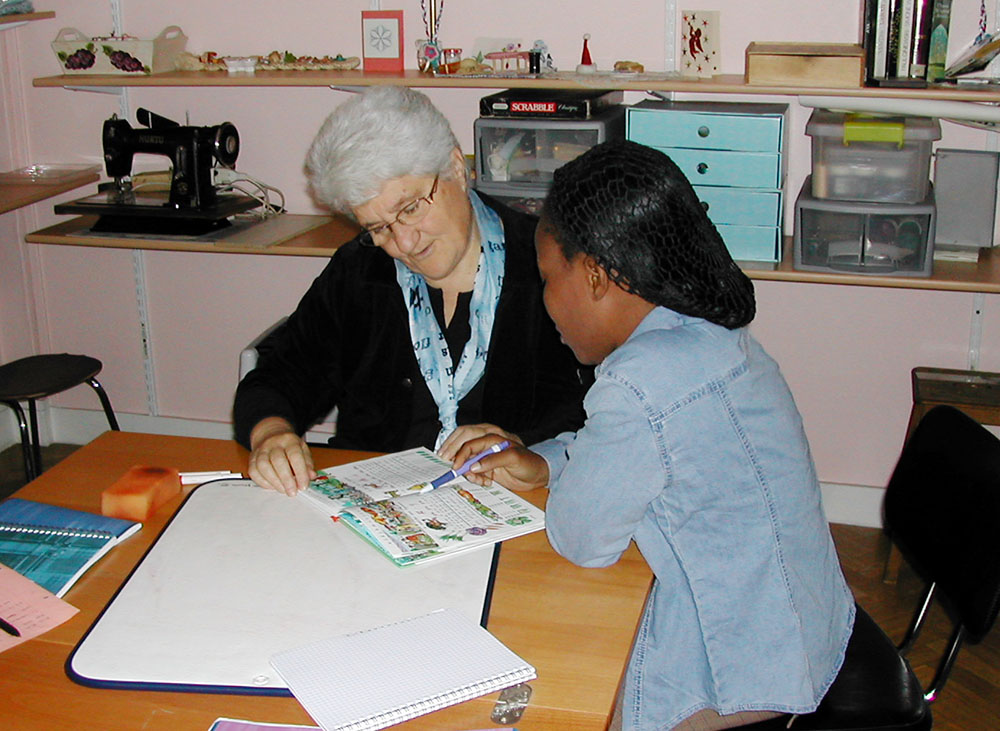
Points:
[(39, 376), (942, 509)]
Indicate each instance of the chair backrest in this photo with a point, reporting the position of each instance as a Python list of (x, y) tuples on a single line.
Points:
[(250, 354), (942, 508), (248, 361)]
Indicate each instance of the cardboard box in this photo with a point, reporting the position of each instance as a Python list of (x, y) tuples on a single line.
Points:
[(126, 56), (551, 103), (826, 65)]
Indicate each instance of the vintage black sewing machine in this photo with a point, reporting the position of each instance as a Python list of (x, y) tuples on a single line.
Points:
[(192, 206)]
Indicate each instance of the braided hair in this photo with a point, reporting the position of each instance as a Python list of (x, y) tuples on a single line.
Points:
[(631, 208)]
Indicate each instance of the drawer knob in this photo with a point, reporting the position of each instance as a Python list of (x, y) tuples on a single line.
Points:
[(704, 131), (704, 204), (702, 168)]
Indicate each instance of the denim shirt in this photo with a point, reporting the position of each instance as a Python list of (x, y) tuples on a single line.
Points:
[(694, 448)]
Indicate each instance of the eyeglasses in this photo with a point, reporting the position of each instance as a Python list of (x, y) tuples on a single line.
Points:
[(409, 215)]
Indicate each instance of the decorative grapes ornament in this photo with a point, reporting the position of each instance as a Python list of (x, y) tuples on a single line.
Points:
[(124, 61), (81, 58)]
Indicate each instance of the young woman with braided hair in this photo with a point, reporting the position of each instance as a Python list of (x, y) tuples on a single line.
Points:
[(693, 448)]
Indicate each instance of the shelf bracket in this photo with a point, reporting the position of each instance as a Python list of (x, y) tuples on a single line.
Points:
[(976, 330)]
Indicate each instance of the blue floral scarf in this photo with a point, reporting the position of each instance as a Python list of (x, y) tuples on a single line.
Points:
[(449, 385)]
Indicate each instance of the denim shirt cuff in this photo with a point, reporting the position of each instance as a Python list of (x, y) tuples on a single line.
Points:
[(553, 451)]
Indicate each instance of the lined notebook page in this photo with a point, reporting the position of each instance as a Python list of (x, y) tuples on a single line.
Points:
[(379, 677)]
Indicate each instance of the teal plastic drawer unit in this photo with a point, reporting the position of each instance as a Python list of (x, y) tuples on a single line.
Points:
[(729, 126), (729, 169), (738, 206), (733, 154), (750, 243)]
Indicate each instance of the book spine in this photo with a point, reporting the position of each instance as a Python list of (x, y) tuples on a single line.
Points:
[(868, 37), (46, 530), (881, 38), (937, 54), (921, 38), (905, 38), (892, 39)]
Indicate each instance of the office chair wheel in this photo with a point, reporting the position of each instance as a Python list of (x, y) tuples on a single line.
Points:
[(39, 376)]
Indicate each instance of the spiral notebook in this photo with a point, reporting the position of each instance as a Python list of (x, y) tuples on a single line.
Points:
[(54, 546), (379, 677)]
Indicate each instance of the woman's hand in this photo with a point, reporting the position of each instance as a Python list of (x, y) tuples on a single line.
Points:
[(280, 458), (516, 468), (449, 448)]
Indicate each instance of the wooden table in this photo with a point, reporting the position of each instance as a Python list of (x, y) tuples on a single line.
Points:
[(574, 625)]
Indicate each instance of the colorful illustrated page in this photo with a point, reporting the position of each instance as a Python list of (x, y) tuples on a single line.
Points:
[(379, 478), (457, 515)]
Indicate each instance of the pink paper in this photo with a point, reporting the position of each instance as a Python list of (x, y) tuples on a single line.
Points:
[(28, 607)]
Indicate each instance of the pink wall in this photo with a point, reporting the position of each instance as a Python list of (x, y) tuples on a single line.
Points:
[(846, 351)]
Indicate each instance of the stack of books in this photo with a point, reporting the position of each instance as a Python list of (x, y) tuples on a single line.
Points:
[(906, 41)]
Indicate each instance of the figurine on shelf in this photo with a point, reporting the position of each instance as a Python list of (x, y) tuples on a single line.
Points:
[(546, 58), (429, 48), (510, 58), (586, 65), (428, 55)]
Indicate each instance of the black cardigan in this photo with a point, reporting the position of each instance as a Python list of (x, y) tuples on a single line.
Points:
[(348, 344)]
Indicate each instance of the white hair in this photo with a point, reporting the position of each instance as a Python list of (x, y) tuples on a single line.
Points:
[(383, 133)]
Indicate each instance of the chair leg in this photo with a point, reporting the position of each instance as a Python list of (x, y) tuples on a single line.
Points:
[(893, 562), (917, 622), (105, 402), (947, 663), (36, 446), (30, 471)]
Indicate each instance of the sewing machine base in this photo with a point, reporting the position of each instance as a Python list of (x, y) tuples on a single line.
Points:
[(149, 214)]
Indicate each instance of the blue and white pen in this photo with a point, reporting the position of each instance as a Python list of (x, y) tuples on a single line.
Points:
[(452, 474)]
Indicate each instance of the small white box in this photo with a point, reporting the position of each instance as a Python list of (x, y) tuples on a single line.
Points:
[(965, 190), (859, 157), (80, 54)]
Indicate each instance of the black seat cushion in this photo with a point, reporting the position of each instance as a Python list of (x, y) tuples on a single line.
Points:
[(38, 376), (875, 689)]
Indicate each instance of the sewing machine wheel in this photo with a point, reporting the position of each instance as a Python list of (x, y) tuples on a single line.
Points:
[(227, 144)]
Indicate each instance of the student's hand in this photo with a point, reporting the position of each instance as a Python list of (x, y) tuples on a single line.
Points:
[(454, 441), (516, 468), (280, 459)]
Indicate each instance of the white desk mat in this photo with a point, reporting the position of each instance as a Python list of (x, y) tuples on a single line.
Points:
[(241, 573)]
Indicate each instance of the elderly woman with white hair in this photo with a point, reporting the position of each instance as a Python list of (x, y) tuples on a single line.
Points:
[(426, 329)]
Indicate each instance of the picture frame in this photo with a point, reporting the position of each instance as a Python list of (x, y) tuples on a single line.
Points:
[(382, 40)]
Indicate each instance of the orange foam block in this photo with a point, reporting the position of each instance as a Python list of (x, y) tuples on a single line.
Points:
[(140, 492)]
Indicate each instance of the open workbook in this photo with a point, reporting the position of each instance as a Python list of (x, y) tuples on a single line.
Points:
[(382, 499)]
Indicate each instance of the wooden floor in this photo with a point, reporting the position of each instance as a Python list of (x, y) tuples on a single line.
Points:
[(970, 701)]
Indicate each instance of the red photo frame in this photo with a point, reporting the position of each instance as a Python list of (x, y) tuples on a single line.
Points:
[(382, 40)]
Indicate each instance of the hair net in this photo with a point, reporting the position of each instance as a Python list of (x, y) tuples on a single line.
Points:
[(631, 208)]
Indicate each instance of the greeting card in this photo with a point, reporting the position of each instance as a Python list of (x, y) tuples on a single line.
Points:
[(700, 43)]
